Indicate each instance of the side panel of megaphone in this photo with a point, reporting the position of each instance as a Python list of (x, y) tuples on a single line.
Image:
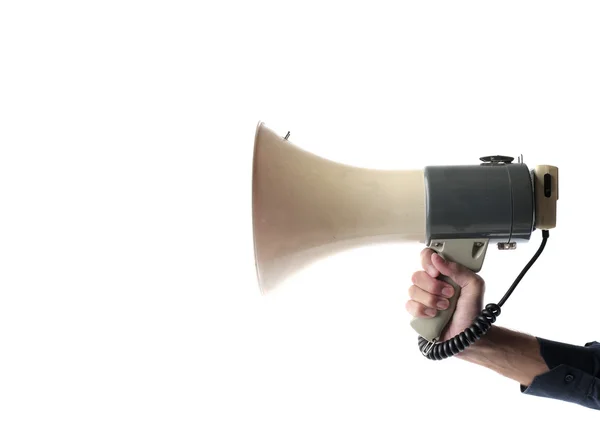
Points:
[(305, 207)]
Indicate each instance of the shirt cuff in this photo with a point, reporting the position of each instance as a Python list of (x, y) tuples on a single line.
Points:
[(563, 383), (571, 375)]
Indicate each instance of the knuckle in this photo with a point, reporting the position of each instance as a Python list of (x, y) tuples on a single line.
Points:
[(430, 301), (411, 308), (437, 287), (421, 311), (419, 277), (426, 256), (414, 277), (425, 252), (473, 280), (429, 284), (454, 267), (412, 291)]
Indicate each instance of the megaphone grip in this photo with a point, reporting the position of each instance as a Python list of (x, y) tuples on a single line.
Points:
[(431, 328)]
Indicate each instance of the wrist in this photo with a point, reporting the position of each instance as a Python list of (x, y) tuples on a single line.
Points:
[(509, 353), (476, 352)]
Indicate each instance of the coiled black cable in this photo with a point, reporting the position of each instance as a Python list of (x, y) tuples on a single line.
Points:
[(481, 324)]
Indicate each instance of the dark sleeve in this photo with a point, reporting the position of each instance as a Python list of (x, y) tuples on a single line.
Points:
[(574, 374)]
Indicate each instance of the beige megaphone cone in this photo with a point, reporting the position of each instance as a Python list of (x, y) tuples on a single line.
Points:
[(306, 207)]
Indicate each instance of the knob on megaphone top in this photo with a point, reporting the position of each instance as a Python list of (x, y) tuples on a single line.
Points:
[(496, 159)]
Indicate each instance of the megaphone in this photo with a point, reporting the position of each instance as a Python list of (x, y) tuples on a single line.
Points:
[(305, 207)]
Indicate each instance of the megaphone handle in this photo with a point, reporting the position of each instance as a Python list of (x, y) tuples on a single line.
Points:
[(431, 328), (469, 253)]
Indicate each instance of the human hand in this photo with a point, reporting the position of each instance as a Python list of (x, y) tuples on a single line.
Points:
[(429, 294)]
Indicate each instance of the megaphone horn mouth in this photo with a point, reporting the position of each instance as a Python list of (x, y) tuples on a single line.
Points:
[(305, 207)]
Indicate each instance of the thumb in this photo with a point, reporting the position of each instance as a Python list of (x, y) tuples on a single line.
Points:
[(462, 276)]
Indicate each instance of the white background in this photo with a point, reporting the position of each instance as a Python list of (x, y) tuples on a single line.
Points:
[(128, 295)]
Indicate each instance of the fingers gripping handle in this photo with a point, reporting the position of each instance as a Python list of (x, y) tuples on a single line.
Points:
[(469, 253), (431, 328)]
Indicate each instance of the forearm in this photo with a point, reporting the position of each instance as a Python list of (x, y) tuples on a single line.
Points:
[(509, 353)]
